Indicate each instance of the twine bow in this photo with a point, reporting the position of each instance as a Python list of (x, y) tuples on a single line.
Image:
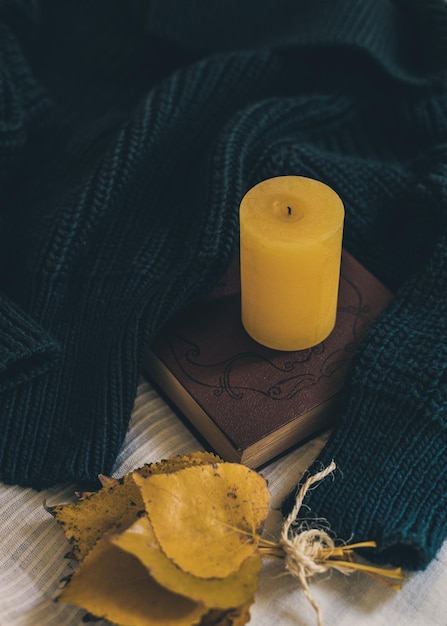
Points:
[(307, 552)]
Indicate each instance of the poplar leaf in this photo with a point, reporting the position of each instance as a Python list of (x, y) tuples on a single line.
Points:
[(219, 593), (115, 506), (207, 519), (114, 585)]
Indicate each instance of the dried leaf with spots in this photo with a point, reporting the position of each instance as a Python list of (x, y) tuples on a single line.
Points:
[(114, 507), (114, 585), (207, 519), (108, 528), (219, 593)]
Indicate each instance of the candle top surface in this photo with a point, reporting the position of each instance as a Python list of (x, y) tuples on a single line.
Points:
[(291, 209)]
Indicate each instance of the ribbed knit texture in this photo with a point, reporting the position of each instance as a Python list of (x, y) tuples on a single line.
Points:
[(127, 140)]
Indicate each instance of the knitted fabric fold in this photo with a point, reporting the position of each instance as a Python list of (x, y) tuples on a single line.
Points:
[(124, 154), (372, 28), (26, 351)]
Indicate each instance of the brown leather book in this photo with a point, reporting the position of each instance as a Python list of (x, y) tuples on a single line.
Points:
[(251, 403)]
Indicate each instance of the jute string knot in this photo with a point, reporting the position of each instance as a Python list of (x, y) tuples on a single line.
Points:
[(303, 549), (308, 551)]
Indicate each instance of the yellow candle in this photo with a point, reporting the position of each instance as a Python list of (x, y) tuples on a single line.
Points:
[(290, 245)]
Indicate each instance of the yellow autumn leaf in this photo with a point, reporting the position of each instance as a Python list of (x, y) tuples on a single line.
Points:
[(207, 519), (114, 507), (114, 585), (218, 593)]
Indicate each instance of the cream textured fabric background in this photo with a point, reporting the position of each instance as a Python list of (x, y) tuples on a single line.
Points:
[(32, 548)]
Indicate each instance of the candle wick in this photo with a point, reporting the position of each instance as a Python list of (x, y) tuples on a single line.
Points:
[(289, 211)]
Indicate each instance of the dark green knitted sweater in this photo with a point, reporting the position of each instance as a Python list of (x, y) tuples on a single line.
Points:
[(124, 154)]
